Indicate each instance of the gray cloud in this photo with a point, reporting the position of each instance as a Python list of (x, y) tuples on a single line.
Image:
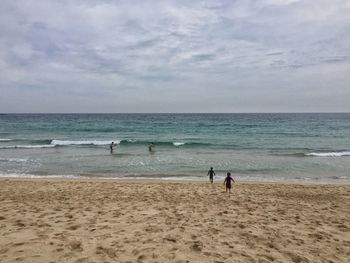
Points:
[(174, 56)]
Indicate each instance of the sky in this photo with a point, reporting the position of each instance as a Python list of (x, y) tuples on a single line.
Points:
[(174, 56)]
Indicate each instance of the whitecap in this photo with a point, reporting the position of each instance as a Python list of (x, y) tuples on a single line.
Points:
[(178, 143), (92, 142), (5, 140), (329, 154)]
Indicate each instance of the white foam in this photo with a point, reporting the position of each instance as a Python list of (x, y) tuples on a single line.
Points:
[(93, 142), (178, 143), (5, 140), (32, 176), (329, 154), (27, 146), (16, 160)]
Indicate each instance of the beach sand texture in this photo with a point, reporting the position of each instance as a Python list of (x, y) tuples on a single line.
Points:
[(113, 221)]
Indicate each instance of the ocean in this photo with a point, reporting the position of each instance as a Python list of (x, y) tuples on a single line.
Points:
[(282, 147)]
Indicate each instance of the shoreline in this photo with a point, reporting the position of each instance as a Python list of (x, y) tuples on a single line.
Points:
[(162, 180)]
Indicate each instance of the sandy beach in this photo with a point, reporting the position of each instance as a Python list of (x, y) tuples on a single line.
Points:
[(159, 221)]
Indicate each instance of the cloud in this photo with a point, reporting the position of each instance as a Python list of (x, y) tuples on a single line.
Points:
[(122, 56)]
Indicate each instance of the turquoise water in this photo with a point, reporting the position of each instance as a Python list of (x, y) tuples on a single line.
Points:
[(264, 147)]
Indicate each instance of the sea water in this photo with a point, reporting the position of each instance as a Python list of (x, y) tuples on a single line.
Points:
[(262, 147)]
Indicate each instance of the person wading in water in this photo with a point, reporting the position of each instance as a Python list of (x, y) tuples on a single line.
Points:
[(211, 174)]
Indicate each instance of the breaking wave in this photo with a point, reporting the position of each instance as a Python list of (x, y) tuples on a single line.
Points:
[(178, 143), (93, 142), (329, 154)]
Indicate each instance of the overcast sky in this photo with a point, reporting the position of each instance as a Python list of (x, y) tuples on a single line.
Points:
[(175, 56)]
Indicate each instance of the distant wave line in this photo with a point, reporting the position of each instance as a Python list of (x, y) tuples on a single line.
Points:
[(122, 142), (59, 143)]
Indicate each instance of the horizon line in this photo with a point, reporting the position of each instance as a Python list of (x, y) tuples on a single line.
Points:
[(275, 112)]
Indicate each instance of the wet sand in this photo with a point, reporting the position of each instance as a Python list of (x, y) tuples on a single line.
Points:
[(154, 221)]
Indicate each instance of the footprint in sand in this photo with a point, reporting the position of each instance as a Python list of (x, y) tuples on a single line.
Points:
[(107, 251), (197, 246), (73, 227), (75, 245)]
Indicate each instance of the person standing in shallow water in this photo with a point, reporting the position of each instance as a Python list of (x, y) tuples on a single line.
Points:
[(211, 174), (228, 181), (111, 146), (151, 147)]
